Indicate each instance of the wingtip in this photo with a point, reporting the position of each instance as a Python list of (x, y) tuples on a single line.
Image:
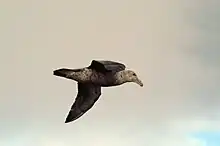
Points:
[(72, 116), (68, 120)]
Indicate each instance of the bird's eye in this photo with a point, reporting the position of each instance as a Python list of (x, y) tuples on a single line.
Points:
[(134, 74)]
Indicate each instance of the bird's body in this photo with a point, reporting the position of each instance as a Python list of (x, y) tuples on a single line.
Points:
[(86, 75), (91, 79)]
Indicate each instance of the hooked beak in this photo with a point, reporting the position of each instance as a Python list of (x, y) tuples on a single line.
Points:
[(139, 82)]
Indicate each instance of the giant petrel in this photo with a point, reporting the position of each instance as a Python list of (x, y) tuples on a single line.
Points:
[(100, 73)]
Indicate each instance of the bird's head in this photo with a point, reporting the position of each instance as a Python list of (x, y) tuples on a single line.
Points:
[(131, 76)]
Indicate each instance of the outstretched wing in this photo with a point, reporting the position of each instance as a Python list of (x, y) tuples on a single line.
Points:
[(106, 66), (87, 95)]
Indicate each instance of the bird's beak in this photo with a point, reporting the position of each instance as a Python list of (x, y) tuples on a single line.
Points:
[(139, 82)]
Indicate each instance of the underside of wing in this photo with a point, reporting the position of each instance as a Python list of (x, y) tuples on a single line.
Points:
[(106, 66), (87, 95)]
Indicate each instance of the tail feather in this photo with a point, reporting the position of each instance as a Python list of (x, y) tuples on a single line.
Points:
[(63, 72)]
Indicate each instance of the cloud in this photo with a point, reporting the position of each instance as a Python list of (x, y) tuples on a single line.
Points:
[(164, 41), (207, 23)]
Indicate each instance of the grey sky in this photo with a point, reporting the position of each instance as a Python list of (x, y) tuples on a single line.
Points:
[(172, 45)]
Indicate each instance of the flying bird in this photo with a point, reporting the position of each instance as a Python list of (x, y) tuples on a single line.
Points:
[(99, 73)]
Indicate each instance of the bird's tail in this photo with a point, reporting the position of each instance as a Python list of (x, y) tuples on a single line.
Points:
[(63, 72)]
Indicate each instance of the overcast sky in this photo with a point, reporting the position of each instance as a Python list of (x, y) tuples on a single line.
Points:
[(173, 46)]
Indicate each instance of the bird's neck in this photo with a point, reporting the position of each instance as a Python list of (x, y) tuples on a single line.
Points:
[(120, 78)]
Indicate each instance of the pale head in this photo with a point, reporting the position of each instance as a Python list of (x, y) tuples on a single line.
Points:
[(131, 76)]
